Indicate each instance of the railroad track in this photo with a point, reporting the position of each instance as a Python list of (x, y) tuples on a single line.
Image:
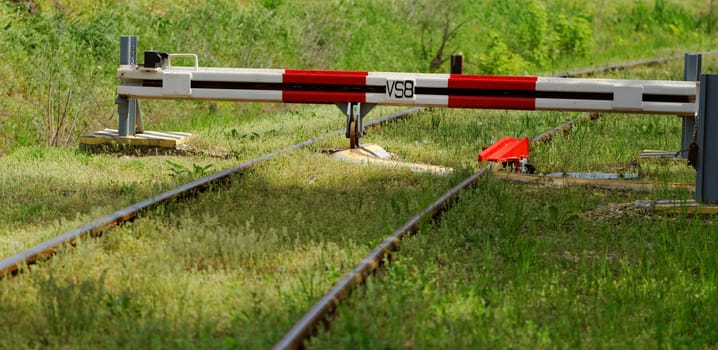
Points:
[(627, 65), (321, 311), (306, 326), (12, 265)]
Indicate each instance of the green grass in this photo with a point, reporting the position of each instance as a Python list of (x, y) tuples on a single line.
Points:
[(265, 247), (510, 266), (238, 266)]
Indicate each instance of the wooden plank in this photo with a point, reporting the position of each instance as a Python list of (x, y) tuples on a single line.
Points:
[(163, 139)]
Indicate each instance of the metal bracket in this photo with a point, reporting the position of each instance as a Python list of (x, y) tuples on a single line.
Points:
[(130, 116), (691, 72), (355, 113), (139, 124)]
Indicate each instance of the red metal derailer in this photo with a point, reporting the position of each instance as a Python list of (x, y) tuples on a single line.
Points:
[(509, 151)]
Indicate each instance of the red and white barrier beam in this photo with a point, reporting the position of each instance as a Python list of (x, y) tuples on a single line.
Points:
[(410, 89)]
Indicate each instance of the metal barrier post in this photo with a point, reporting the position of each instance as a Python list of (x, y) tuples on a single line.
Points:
[(707, 161), (691, 72), (127, 107), (457, 64)]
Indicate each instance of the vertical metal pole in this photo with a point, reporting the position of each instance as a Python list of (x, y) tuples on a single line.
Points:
[(457, 64), (691, 72), (707, 162), (126, 107), (122, 103), (140, 127), (128, 50)]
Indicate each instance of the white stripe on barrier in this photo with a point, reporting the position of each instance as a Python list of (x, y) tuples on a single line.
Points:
[(204, 94), (573, 85), (432, 100), (684, 108), (683, 88), (432, 82), (241, 76), (375, 98), (661, 87), (549, 104), (238, 95), (139, 91)]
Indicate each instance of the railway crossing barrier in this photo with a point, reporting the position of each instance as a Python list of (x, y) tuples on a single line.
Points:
[(356, 93)]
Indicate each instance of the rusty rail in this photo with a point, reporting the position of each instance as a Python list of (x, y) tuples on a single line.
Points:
[(626, 65), (304, 328), (563, 128), (12, 264), (322, 309)]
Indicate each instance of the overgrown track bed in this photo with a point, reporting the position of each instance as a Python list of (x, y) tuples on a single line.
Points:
[(323, 309), (12, 264), (222, 272), (627, 65)]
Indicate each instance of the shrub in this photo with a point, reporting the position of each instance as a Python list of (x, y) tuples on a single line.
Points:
[(573, 35), (500, 60)]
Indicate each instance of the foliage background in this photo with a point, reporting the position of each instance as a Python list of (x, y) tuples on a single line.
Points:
[(60, 56)]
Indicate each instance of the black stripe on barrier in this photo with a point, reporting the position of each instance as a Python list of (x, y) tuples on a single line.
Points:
[(562, 95)]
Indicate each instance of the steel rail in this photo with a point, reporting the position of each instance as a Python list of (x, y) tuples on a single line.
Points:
[(626, 65), (12, 264), (565, 127), (305, 327)]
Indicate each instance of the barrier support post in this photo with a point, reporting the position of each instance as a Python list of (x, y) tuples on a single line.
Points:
[(128, 108), (457, 64), (707, 122), (691, 72)]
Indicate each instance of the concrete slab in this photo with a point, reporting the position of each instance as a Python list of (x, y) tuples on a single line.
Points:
[(371, 154), (689, 206), (607, 184), (655, 155), (165, 139)]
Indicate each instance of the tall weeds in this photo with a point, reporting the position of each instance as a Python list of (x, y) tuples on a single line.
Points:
[(57, 106)]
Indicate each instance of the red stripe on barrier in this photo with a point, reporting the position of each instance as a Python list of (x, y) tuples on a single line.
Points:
[(322, 96), (522, 103), (324, 77), (489, 82)]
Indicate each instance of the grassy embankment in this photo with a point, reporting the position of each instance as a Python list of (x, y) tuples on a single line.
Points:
[(511, 265)]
